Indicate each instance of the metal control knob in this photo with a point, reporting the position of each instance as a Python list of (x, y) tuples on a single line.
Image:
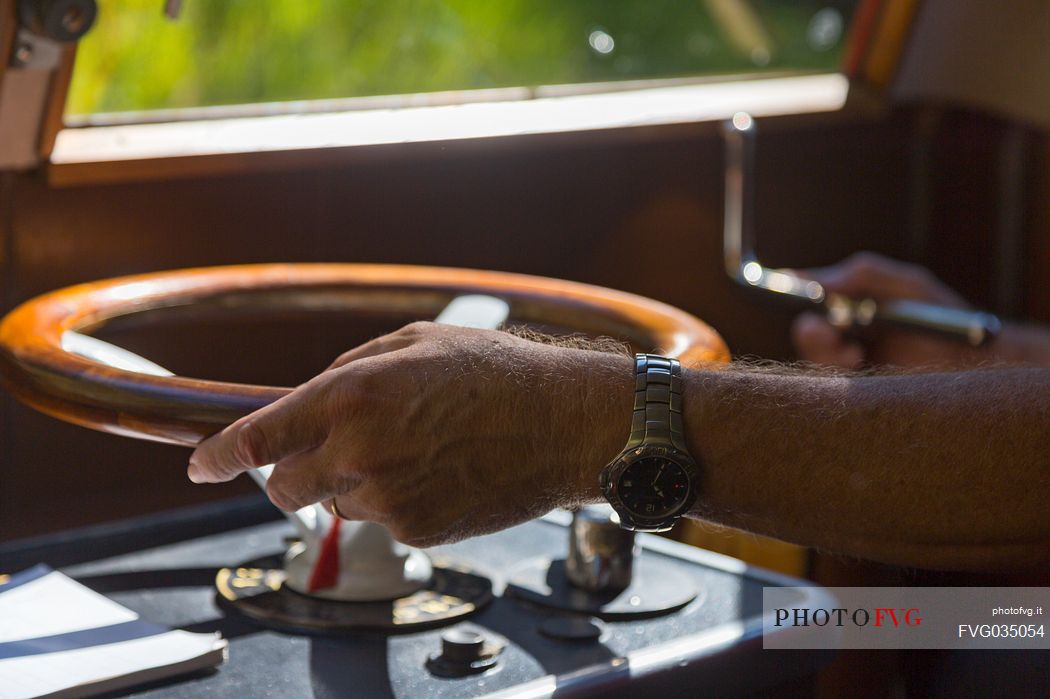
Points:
[(462, 646), (463, 652), (601, 553), (58, 20)]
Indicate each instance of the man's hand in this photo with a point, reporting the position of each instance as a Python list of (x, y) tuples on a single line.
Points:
[(437, 432), (867, 275)]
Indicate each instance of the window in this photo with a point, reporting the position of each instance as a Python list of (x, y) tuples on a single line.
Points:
[(223, 52)]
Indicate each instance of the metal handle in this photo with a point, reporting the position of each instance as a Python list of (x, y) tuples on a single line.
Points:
[(973, 327), (601, 552)]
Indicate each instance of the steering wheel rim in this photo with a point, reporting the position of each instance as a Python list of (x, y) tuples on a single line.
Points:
[(40, 372)]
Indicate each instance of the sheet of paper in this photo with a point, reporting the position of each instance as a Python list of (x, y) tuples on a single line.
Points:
[(53, 604), (59, 638), (49, 673)]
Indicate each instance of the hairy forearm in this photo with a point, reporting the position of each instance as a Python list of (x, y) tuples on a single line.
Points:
[(940, 470)]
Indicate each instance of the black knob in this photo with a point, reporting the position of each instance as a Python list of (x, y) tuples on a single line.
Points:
[(462, 646), (464, 652), (60, 20)]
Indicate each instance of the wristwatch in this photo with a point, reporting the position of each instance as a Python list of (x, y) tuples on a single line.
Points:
[(654, 479)]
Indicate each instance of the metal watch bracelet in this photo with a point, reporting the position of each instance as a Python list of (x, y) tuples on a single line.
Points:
[(657, 417)]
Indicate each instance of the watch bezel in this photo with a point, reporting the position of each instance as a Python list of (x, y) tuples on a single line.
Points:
[(614, 471)]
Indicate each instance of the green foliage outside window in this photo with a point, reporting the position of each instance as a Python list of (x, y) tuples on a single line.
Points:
[(240, 51)]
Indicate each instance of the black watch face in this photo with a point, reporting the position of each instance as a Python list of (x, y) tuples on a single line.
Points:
[(653, 487)]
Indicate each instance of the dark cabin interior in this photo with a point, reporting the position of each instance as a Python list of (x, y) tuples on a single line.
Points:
[(906, 167)]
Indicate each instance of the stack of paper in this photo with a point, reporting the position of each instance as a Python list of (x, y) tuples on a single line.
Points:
[(58, 638)]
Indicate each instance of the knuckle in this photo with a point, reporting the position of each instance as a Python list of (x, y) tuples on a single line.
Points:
[(249, 445), (337, 482), (866, 258), (340, 480), (223, 469), (407, 533), (419, 327), (343, 359), (347, 396), (413, 328), (280, 496), (922, 276), (865, 264)]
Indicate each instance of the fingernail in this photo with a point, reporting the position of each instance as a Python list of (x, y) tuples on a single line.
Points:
[(194, 473)]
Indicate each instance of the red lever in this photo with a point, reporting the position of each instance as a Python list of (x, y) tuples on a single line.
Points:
[(326, 569)]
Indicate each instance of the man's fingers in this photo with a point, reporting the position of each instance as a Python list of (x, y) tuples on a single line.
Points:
[(818, 342), (307, 478), (867, 274), (295, 423), (352, 506), (319, 476), (380, 345), (398, 340)]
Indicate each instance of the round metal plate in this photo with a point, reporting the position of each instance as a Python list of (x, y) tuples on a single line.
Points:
[(256, 589), (656, 588)]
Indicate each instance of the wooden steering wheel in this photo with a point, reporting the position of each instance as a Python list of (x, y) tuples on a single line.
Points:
[(43, 367)]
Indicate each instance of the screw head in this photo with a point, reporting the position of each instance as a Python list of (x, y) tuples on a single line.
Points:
[(23, 54), (74, 20)]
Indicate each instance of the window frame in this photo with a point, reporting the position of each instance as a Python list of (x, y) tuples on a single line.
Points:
[(253, 138)]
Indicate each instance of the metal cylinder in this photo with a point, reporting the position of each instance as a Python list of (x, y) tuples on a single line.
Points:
[(58, 20), (601, 553)]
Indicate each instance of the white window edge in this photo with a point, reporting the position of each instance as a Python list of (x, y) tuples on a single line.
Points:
[(369, 127)]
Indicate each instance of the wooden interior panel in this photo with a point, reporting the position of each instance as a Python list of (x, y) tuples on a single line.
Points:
[(640, 215), (1037, 305)]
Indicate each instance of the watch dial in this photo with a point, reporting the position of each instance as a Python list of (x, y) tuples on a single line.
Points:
[(653, 487)]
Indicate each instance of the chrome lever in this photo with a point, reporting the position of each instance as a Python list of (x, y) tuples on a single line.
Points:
[(973, 327)]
